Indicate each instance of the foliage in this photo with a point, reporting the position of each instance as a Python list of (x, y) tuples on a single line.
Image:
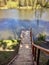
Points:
[(5, 55), (18, 41), (13, 46), (40, 38), (11, 4), (3, 44), (8, 55), (9, 44)]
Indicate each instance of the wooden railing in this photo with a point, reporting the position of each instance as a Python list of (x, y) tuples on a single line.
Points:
[(36, 52)]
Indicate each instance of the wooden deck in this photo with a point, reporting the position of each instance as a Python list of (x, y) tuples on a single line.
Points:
[(29, 53), (24, 56)]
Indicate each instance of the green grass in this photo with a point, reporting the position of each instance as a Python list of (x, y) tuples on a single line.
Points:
[(10, 48), (43, 59), (5, 57)]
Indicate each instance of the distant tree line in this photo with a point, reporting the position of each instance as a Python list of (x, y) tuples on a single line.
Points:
[(42, 3)]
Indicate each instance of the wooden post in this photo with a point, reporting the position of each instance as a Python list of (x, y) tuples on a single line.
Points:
[(33, 50), (35, 54), (47, 62), (38, 56), (31, 35)]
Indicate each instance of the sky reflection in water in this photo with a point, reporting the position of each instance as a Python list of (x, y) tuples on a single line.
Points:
[(17, 25)]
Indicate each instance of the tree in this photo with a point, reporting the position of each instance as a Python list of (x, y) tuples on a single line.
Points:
[(25, 2), (44, 3), (29, 2), (19, 3), (5, 2)]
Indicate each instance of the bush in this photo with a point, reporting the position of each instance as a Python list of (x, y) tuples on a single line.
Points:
[(40, 38), (9, 44), (3, 44)]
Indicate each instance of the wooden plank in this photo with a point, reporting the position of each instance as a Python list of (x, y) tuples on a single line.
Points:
[(41, 48)]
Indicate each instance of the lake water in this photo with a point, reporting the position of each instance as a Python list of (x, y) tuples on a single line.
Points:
[(12, 21)]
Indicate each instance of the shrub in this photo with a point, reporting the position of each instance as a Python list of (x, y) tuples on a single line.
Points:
[(9, 44), (40, 38)]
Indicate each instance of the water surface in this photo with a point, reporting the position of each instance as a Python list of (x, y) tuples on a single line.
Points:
[(12, 21)]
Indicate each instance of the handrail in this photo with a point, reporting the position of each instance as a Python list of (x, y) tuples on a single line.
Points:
[(41, 48), (36, 52)]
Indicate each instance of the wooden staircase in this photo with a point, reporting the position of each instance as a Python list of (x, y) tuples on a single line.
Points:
[(24, 56), (29, 53)]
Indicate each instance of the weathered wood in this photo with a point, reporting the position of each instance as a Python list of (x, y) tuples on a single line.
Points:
[(35, 54), (33, 50), (38, 56), (24, 57), (31, 35), (41, 48)]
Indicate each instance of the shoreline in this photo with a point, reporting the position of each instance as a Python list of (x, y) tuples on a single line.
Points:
[(28, 7)]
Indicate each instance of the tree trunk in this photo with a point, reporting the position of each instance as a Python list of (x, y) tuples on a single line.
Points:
[(25, 2), (5, 2)]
